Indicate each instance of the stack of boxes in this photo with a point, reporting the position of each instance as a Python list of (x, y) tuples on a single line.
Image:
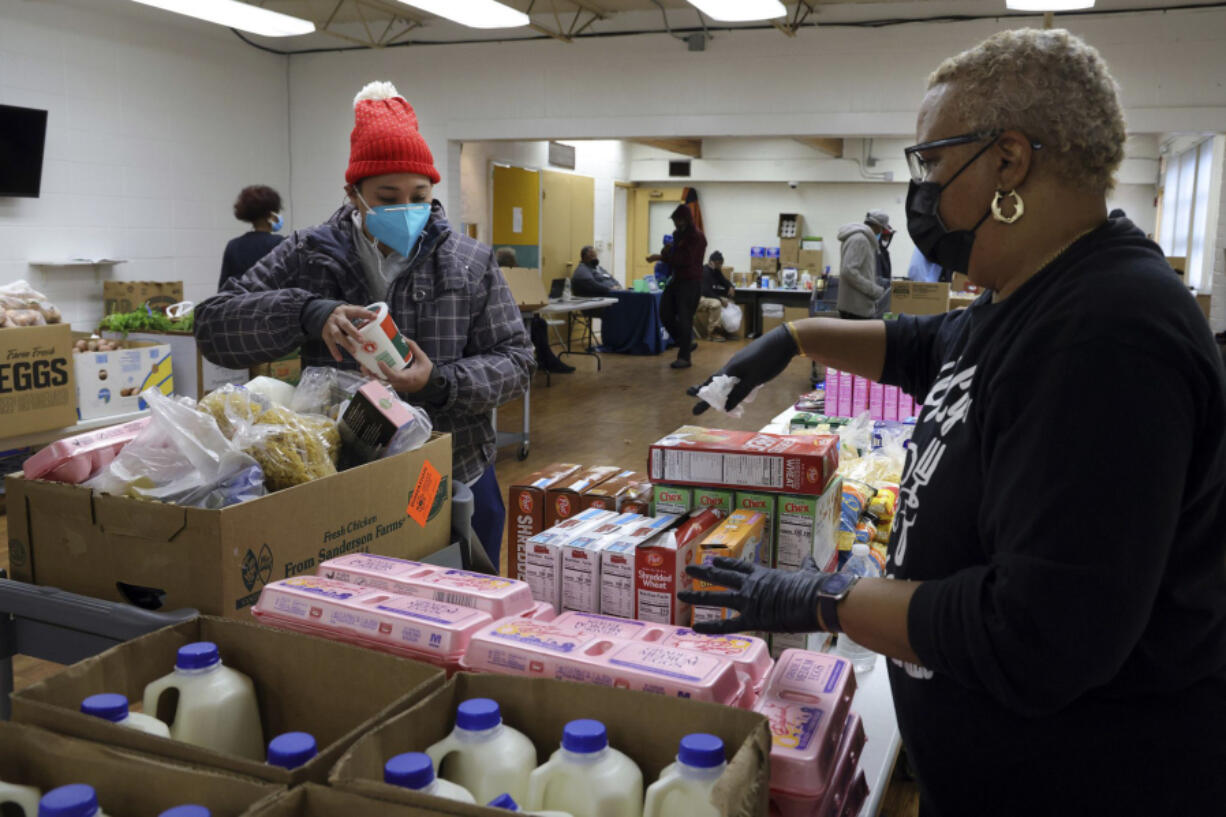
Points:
[(849, 395)]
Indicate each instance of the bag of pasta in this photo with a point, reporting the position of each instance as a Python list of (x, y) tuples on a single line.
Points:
[(234, 408), (292, 448)]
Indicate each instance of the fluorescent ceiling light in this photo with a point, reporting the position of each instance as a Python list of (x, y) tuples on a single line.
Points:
[(740, 11), (1048, 5), (473, 13), (233, 14)]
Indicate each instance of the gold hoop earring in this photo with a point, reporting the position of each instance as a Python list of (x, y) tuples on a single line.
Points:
[(1019, 207)]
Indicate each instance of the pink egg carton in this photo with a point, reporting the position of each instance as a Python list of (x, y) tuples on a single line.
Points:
[(857, 796), (410, 626), (498, 596), (76, 459), (520, 646), (806, 700), (750, 655), (851, 746), (541, 611)]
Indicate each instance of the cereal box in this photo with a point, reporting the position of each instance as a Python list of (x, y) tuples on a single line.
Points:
[(617, 564), (612, 493), (672, 499), (767, 505), (737, 537), (526, 509), (744, 460), (713, 498), (660, 569), (562, 499)]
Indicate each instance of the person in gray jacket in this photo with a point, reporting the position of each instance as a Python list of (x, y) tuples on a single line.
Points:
[(591, 280), (859, 292)]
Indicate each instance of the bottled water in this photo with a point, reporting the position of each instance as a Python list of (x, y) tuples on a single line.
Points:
[(860, 564)]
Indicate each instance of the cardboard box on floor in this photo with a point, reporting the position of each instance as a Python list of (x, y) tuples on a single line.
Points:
[(919, 298), (126, 783), (311, 800), (194, 376), (644, 726), (335, 692), (128, 296), (527, 288), (38, 388), (217, 561)]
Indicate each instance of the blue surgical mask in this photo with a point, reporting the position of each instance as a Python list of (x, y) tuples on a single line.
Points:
[(277, 222), (396, 225)]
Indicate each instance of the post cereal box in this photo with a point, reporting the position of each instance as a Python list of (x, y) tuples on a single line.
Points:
[(744, 460), (659, 569), (738, 537), (543, 554), (613, 492), (639, 499), (617, 564), (526, 505), (562, 498)]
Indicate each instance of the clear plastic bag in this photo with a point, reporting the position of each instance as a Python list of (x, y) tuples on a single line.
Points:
[(730, 318), (22, 302), (411, 436), (233, 407), (322, 390), (181, 457)]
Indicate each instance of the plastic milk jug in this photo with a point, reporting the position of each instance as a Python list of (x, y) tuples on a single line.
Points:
[(415, 770), (114, 708), (484, 755), (217, 707), (587, 777), (186, 811), (74, 800), (19, 801), (507, 803), (685, 786), (291, 750)]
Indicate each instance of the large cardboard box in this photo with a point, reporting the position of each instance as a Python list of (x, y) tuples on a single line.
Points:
[(791, 225), (126, 783), (38, 391), (789, 252), (919, 298), (646, 727), (194, 376), (111, 383), (312, 800), (812, 260), (526, 511), (217, 561), (334, 692), (128, 296), (527, 288), (287, 369)]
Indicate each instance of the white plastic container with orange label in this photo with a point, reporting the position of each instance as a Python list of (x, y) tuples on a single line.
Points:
[(382, 342)]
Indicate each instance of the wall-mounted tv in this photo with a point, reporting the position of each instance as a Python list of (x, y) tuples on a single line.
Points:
[(23, 133)]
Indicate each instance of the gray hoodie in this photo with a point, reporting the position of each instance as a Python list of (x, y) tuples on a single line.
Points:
[(859, 291)]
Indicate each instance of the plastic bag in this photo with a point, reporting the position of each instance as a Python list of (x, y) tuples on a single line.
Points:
[(22, 302), (291, 448), (322, 389), (181, 457), (411, 436), (730, 318), (715, 394), (233, 407)]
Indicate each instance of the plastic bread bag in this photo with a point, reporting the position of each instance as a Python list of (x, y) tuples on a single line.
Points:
[(291, 448), (856, 496), (322, 389), (181, 457), (234, 408)]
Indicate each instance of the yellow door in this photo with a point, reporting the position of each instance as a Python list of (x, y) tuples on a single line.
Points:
[(516, 213), (567, 203), (649, 204)]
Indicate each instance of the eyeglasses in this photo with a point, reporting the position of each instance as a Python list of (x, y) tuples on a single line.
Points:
[(919, 166)]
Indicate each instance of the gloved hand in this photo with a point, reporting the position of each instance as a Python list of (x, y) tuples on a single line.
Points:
[(777, 601), (759, 362)]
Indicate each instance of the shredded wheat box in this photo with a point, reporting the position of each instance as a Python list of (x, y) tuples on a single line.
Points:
[(745, 460)]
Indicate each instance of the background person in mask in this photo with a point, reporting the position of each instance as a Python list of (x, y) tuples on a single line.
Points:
[(590, 280), (390, 242), (1043, 659), (860, 291), (260, 206), (684, 256)]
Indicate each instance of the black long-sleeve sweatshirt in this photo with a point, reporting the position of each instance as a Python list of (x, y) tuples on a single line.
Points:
[(1064, 504)]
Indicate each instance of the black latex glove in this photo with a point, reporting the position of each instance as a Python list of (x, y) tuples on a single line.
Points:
[(777, 601), (759, 362)]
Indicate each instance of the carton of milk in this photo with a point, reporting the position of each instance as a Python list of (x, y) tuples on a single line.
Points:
[(617, 565), (543, 554)]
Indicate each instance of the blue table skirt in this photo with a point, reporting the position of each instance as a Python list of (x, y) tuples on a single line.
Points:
[(632, 325)]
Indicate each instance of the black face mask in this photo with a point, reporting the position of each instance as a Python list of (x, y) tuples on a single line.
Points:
[(940, 245), (885, 240)]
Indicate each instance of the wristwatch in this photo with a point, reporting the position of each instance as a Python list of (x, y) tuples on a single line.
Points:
[(833, 589)]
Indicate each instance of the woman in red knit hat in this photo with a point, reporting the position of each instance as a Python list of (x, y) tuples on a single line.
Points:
[(390, 242)]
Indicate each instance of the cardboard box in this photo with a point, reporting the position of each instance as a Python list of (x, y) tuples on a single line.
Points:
[(791, 225), (919, 298), (526, 501), (646, 727), (111, 383), (961, 300), (767, 505), (611, 493), (287, 369), (806, 526), (194, 376), (618, 559), (217, 561), (789, 252), (129, 296), (126, 783), (876, 400), (581, 573), (639, 499), (677, 499), (812, 260), (311, 800), (737, 537), (749, 460), (890, 410), (763, 264), (717, 498), (38, 390), (659, 569), (527, 288), (562, 499), (335, 692), (846, 381), (1202, 300), (1179, 263)]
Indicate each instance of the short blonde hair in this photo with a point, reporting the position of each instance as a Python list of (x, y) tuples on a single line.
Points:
[(1051, 86)]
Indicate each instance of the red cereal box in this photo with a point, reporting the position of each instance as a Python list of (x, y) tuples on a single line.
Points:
[(750, 460), (659, 570), (613, 492), (562, 499)]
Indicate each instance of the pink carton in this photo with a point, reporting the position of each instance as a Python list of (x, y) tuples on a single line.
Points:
[(541, 649), (498, 596), (78, 458), (832, 390), (847, 758), (626, 629), (806, 700), (891, 403), (859, 396), (876, 400), (541, 611), (403, 625), (857, 796), (844, 405)]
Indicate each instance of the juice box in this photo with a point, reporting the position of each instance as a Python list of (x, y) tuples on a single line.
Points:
[(617, 564), (737, 537), (526, 506), (562, 499), (713, 498), (677, 499), (744, 460), (767, 505), (659, 570), (845, 383), (612, 493), (859, 396)]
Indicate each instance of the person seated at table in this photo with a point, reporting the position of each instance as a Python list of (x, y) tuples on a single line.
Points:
[(717, 292), (538, 329), (590, 280)]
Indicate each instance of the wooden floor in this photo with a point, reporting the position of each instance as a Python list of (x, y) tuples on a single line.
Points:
[(610, 417)]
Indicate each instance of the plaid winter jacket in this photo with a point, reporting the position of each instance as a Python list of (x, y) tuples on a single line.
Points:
[(453, 301)]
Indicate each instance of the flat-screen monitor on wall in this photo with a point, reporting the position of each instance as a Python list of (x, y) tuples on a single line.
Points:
[(23, 132)]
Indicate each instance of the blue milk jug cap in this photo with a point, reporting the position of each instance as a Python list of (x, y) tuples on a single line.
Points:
[(201, 655), (108, 706), (291, 750), (412, 770), (187, 811), (505, 802), (74, 800), (585, 736), (701, 751), (478, 714)]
